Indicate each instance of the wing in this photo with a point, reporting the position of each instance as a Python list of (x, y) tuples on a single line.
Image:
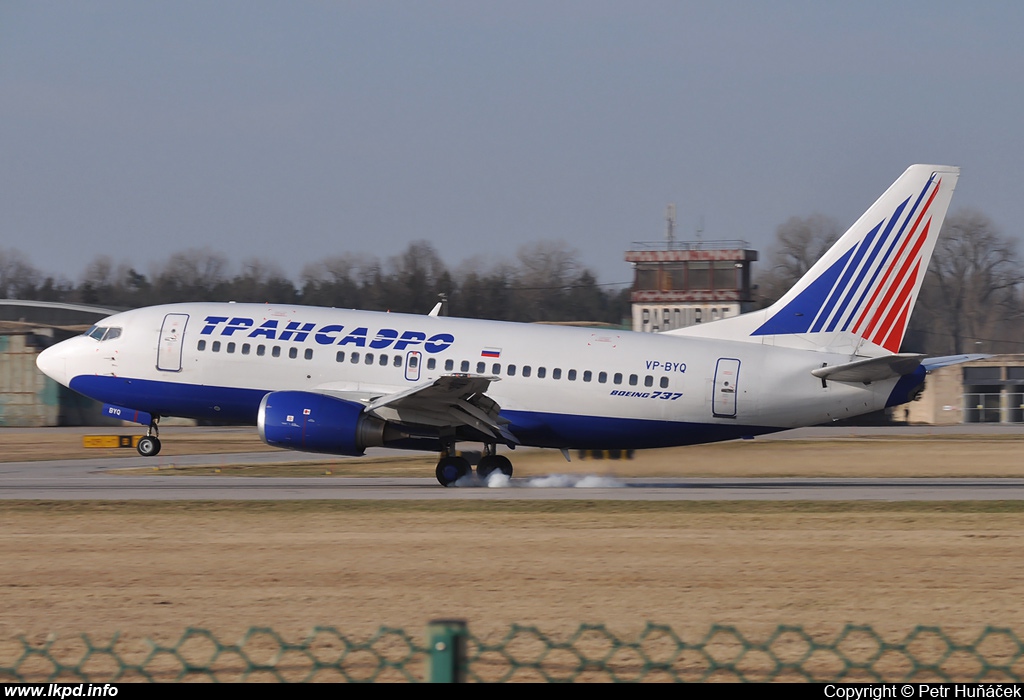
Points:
[(450, 401)]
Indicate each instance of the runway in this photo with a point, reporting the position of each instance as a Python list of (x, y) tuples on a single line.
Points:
[(97, 479), (104, 479)]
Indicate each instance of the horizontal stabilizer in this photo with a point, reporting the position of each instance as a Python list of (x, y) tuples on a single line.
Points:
[(933, 363), (874, 369)]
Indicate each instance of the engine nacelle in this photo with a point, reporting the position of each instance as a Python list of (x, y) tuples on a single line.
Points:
[(303, 420)]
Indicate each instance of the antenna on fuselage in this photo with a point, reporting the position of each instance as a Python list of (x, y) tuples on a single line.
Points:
[(670, 231)]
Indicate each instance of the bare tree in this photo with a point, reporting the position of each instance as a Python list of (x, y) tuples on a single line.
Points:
[(969, 300), (18, 278), (96, 280), (192, 275), (546, 269), (262, 281), (414, 278), (799, 243), (338, 280), (485, 290)]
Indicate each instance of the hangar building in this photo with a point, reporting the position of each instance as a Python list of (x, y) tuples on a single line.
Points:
[(989, 390), (28, 398)]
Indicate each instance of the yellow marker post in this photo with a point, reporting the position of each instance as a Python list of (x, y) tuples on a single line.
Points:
[(110, 441)]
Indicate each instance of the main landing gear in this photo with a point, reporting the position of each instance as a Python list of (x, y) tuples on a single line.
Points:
[(149, 446), (451, 467)]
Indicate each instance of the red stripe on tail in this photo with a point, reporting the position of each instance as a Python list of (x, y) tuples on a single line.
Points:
[(889, 271), (898, 311), (912, 259)]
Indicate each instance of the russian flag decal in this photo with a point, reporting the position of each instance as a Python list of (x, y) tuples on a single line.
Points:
[(490, 352)]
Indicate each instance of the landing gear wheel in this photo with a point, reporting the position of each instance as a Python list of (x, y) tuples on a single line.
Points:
[(451, 469), (493, 463), (148, 446)]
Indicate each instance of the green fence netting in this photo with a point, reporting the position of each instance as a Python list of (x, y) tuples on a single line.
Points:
[(448, 651)]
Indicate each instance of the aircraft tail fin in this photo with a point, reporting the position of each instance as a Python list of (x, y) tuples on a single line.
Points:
[(863, 289)]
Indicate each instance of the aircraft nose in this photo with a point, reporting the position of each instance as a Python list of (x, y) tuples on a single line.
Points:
[(53, 363)]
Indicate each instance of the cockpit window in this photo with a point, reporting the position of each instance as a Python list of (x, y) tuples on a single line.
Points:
[(102, 333)]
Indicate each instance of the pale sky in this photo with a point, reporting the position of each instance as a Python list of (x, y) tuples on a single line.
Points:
[(293, 131)]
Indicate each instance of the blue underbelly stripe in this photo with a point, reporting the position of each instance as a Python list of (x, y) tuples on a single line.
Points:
[(532, 428)]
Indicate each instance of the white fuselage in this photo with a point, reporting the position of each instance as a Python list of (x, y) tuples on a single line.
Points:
[(557, 386)]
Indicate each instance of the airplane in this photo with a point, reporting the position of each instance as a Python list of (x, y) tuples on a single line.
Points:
[(340, 381)]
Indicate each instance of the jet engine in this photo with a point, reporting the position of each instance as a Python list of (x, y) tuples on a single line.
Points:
[(310, 422)]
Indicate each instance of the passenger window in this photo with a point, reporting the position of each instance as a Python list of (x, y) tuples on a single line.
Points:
[(276, 351), (511, 370), (261, 350), (202, 345), (632, 380), (369, 358), (293, 353), (481, 367), (617, 379), (415, 360), (216, 346), (602, 377), (383, 362), (541, 372), (245, 348), (465, 366), (354, 358), (526, 371), (449, 365), (340, 357), (431, 363), (495, 368), (587, 375), (664, 383), (398, 361), (571, 376), (556, 373), (231, 347), (648, 380), (308, 354)]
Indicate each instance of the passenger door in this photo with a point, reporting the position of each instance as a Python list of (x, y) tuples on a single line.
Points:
[(172, 334)]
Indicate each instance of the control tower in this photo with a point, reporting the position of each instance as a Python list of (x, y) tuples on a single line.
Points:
[(682, 283)]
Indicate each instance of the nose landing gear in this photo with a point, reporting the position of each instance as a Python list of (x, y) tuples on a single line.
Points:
[(149, 446)]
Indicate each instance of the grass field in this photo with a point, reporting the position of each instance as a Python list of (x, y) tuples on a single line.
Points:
[(152, 569)]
